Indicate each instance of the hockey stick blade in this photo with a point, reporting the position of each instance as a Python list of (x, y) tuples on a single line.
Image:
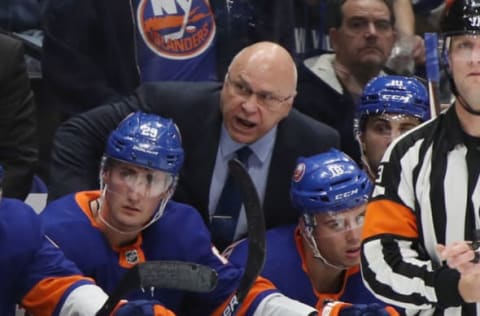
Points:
[(163, 275), (256, 229)]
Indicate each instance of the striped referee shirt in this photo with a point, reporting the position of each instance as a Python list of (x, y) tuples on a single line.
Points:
[(427, 192)]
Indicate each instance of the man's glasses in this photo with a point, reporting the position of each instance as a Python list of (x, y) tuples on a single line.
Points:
[(264, 99)]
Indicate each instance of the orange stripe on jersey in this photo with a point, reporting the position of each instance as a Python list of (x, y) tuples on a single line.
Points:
[(128, 256), (301, 251), (322, 297), (83, 200), (261, 284), (44, 297), (159, 310), (388, 217), (132, 254), (325, 297)]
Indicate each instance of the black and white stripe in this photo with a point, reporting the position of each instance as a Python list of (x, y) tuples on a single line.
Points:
[(432, 172)]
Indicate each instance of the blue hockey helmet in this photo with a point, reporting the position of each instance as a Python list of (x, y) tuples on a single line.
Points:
[(394, 95), (147, 140), (328, 182)]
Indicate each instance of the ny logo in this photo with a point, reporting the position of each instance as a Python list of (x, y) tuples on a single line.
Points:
[(169, 7)]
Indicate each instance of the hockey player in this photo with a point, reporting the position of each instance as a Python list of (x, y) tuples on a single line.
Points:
[(424, 212), (132, 219), (389, 106), (317, 260), (35, 274)]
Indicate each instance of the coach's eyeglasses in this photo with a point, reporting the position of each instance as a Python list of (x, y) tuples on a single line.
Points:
[(264, 99)]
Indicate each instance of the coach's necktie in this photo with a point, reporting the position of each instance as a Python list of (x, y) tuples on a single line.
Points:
[(224, 220)]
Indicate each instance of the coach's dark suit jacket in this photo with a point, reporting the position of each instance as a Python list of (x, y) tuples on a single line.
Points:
[(79, 144)]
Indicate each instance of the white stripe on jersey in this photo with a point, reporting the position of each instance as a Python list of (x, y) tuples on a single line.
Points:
[(422, 189), (434, 173), (399, 283), (456, 195), (85, 300)]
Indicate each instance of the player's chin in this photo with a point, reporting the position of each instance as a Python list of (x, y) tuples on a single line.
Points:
[(350, 262)]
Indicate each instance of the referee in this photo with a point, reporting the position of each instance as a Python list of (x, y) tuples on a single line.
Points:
[(416, 249)]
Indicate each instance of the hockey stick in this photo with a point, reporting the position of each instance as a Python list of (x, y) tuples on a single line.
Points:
[(433, 72), (256, 235), (162, 274)]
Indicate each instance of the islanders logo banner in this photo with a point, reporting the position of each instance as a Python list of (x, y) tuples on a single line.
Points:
[(176, 29)]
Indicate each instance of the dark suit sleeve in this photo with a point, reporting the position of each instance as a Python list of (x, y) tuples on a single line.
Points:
[(78, 146), (18, 142), (79, 142)]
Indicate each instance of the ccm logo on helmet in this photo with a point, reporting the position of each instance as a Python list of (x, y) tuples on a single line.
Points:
[(345, 195)]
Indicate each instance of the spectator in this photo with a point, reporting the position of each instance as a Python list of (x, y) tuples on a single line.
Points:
[(330, 84), (390, 106), (252, 108), (36, 275), (98, 51), (131, 219), (427, 194), (312, 20), (317, 260), (18, 142)]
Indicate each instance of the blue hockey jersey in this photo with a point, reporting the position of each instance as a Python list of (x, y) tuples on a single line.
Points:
[(180, 234), (33, 272), (285, 268)]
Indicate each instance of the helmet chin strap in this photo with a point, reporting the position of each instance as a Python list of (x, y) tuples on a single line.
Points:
[(467, 106), (307, 233)]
